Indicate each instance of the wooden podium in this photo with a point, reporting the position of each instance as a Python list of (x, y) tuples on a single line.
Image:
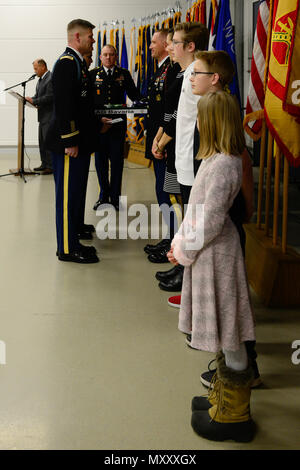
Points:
[(21, 110)]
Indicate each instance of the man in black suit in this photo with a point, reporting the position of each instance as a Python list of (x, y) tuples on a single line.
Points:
[(43, 100), (72, 138), (111, 84)]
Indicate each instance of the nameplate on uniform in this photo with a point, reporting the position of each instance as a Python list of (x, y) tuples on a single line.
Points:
[(122, 111)]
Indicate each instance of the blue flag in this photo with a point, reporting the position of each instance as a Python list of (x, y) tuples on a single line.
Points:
[(124, 56), (149, 71), (117, 44), (224, 41)]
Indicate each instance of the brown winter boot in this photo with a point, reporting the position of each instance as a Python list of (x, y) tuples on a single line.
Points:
[(207, 401), (229, 415)]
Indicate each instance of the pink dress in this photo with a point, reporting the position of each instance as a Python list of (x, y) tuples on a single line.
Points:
[(215, 302)]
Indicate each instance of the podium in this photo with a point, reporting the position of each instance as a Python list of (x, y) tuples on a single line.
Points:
[(21, 119)]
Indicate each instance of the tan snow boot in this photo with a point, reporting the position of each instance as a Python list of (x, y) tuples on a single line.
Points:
[(229, 416)]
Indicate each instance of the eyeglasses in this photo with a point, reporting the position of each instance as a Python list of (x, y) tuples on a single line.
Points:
[(193, 74)]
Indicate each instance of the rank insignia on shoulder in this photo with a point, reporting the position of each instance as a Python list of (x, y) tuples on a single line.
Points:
[(158, 98), (67, 57)]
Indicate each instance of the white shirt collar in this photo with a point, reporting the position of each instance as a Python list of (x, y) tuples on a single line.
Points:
[(106, 69), (162, 61)]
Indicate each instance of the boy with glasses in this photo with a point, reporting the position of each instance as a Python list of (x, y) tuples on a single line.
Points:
[(187, 40)]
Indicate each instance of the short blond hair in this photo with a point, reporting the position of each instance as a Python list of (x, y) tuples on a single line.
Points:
[(110, 46), (218, 62), (220, 125), (194, 32)]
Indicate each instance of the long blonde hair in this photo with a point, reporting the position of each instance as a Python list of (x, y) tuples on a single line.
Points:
[(220, 125)]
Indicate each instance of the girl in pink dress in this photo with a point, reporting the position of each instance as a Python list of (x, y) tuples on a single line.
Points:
[(215, 303)]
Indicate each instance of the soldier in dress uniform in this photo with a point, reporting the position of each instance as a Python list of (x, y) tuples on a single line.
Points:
[(72, 139), (156, 93), (111, 84)]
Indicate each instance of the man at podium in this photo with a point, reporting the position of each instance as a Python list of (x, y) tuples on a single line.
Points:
[(43, 100)]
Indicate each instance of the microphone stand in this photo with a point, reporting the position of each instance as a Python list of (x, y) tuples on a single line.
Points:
[(20, 172)]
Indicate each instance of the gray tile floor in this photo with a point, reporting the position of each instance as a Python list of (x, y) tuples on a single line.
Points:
[(94, 359)]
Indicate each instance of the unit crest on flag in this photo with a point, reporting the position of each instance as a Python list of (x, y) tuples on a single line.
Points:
[(282, 37)]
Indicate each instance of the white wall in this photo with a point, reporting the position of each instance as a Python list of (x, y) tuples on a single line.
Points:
[(37, 28)]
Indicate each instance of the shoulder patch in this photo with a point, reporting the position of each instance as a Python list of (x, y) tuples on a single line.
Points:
[(67, 57)]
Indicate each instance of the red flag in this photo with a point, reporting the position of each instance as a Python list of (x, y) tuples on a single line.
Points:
[(202, 11), (256, 93), (284, 127)]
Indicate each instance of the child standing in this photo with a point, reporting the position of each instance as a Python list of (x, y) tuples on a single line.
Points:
[(213, 71), (215, 303)]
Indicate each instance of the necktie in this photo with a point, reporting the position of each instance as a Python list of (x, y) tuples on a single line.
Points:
[(109, 73)]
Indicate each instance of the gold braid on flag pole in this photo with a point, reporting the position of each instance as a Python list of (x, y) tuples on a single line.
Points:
[(254, 116), (111, 37), (132, 32), (177, 17)]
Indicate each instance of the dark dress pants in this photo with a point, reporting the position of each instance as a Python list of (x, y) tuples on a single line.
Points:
[(70, 176), (45, 154), (111, 149)]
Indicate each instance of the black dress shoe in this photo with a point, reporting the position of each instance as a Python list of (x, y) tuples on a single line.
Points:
[(79, 256), (88, 228), (99, 203), (159, 256), (174, 284), (88, 249), (44, 170), (84, 235), (149, 249), (40, 168), (166, 275)]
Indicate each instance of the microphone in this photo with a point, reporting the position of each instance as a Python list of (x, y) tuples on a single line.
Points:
[(32, 77)]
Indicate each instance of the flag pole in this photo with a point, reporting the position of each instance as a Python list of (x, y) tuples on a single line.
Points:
[(261, 173), (285, 204), (276, 194), (268, 183)]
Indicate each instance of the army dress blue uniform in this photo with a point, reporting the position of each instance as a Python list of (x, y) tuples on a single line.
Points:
[(73, 124), (111, 88), (158, 86)]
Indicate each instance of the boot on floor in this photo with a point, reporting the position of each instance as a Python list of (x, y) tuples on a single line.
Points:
[(229, 416)]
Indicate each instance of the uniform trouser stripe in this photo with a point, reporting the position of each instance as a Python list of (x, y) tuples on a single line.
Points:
[(177, 207), (65, 204), (70, 175), (176, 204)]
